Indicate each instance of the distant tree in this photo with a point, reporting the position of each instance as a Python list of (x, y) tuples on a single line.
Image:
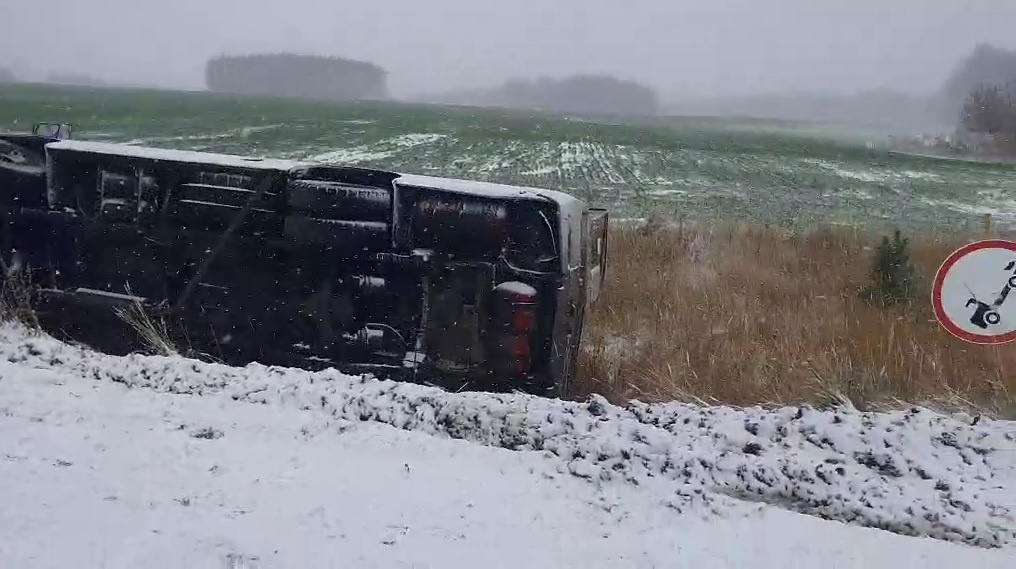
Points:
[(297, 76), (579, 94), (6, 76), (992, 111), (986, 67)]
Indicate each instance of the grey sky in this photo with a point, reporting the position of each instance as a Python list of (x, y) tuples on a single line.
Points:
[(682, 47)]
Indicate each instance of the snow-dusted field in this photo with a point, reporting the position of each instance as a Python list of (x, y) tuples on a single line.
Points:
[(704, 168), (158, 462)]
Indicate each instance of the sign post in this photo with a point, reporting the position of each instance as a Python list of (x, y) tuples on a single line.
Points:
[(974, 294)]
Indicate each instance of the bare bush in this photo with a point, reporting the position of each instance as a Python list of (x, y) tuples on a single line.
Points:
[(992, 111)]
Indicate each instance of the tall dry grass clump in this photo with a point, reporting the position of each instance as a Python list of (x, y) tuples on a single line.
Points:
[(17, 303), (743, 315)]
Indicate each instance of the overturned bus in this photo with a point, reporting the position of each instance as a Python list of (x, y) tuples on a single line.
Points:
[(461, 284)]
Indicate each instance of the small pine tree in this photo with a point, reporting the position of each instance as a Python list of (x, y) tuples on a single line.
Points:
[(892, 274)]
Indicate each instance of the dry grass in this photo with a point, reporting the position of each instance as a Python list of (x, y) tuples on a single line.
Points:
[(751, 315), (16, 301), (154, 333), (17, 304), (746, 315)]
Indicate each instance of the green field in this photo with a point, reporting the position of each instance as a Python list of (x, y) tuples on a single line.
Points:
[(766, 171)]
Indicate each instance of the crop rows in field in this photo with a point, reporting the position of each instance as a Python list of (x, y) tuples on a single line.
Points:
[(674, 167)]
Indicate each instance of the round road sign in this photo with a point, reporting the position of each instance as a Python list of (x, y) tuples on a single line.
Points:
[(975, 292)]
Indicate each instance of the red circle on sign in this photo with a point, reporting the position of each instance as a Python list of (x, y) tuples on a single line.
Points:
[(936, 293)]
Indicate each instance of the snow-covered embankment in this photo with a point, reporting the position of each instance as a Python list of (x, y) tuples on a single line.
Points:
[(910, 472)]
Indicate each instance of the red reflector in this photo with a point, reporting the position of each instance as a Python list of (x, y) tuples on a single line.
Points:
[(519, 347), (514, 324), (524, 297), (524, 321)]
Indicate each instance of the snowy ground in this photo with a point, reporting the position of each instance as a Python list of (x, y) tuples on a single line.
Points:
[(159, 462)]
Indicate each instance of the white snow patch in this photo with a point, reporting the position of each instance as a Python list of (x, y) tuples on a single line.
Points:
[(931, 176), (667, 192), (415, 139), (859, 193), (242, 132), (353, 155), (539, 171), (246, 131), (868, 176), (182, 138), (380, 150), (289, 467), (1002, 210), (130, 478)]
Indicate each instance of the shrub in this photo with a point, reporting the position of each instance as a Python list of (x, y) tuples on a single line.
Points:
[(892, 274)]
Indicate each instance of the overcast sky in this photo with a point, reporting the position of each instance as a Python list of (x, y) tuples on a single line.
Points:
[(681, 47)]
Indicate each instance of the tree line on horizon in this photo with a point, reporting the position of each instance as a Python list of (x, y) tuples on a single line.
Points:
[(576, 94), (336, 78), (983, 88), (979, 96), (296, 76)]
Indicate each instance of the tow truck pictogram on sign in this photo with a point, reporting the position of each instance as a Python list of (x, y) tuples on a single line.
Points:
[(973, 292)]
